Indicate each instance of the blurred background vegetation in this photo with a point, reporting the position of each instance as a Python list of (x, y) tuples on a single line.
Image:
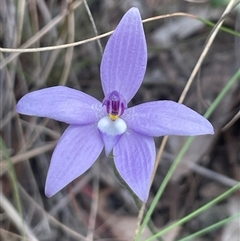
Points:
[(95, 205)]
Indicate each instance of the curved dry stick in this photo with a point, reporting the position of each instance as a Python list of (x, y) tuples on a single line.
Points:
[(15, 218), (41, 33), (189, 82), (24, 49), (26, 155)]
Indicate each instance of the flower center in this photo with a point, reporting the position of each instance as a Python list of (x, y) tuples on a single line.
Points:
[(115, 105)]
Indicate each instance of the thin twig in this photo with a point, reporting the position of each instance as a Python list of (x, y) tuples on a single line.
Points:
[(190, 80), (51, 60), (69, 53), (41, 33), (232, 121), (93, 25), (220, 178), (8, 235), (54, 221), (26, 155), (94, 206), (63, 202), (205, 51), (15, 218), (24, 48), (34, 134)]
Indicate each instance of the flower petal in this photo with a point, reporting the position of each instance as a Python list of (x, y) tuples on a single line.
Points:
[(125, 57), (134, 157), (160, 118), (63, 104), (76, 151), (111, 131)]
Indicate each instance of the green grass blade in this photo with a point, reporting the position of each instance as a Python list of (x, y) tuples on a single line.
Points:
[(221, 95), (208, 113), (210, 228), (197, 212), (224, 29)]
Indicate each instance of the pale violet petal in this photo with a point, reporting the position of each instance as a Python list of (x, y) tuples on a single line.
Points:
[(160, 118), (76, 151), (125, 57), (63, 104), (111, 131), (134, 157)]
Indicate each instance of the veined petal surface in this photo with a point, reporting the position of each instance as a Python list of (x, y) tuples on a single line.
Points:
[(125, 57), (63, 104), (134, 157), (76, 151), (160, 118)]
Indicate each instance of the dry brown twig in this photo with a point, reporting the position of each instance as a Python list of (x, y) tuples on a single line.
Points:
[(20, 224), (185, 91), (70, 46)]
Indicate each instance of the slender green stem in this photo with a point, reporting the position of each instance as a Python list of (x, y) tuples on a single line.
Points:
[(231, 82), (210, 228), (198, 211), (138, 202), (208, 113), (163, 185), (225, 29)]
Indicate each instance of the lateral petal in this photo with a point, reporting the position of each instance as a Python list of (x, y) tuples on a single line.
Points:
[(160, 118), (76, 151), (134, 157), (63, 104), (125, 57)]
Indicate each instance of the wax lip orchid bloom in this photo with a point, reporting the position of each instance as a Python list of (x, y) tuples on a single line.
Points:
[(127, 132)]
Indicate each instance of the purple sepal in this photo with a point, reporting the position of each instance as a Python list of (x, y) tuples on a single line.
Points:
[(63, 104), (160, 118), (134, 157), (76, 151), (125, 57)]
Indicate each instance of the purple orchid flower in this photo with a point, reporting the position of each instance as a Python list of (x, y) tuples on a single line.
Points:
[(128, 132)]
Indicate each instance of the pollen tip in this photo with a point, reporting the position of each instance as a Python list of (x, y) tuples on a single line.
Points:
[(113, 117)]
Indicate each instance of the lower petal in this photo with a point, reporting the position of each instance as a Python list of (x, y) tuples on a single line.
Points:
[(76, 151), (111, 131), (134, 157)]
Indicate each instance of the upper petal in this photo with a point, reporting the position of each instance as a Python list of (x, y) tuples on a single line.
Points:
[(76, 151), (125, 57), (63, 104), (134, 157), (160, 118)]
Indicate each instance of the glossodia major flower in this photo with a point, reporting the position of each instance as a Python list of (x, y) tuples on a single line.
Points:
[(93, 125)]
